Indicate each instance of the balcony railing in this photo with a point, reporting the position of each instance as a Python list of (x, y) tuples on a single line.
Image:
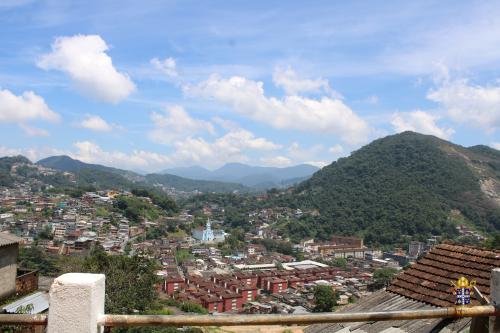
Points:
[(77, 306)]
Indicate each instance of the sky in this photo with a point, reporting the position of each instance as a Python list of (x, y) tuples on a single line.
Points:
[(151, 85)]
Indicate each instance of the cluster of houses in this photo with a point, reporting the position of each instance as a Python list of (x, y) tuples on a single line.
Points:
[(68, 225), (238, 290)]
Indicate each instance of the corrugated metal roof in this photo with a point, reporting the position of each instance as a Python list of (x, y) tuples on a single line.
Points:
[(8, 239), (39, 300), (381, 301)]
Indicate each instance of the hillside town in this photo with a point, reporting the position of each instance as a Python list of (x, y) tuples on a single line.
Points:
[(197, 263)]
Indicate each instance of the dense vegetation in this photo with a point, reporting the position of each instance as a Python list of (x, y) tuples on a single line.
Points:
[(405, 184), (103, 177), (190, 185), (130, 282), (158, 198), (324, 298), (382, 277)]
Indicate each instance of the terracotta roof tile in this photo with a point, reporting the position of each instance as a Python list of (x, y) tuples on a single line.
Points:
[(429, 280)]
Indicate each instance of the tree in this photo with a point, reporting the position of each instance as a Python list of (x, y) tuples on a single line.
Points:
[(193, 307), (34, 258), (494, 241), (46, 233), (382, 277), (324, 298), (182, 255), (339, 262), (130, 281)]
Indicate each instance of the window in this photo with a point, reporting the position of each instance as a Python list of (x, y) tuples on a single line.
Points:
[(234, 303)]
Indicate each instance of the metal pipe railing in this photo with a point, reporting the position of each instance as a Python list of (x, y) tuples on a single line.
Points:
[(272, 319), (23, 319), (290, 319)]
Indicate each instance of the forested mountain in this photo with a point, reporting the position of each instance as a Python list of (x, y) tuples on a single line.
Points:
[(191, 172), (404, 184), (107, 177), (185, 184), (66, 163), (252, 176)]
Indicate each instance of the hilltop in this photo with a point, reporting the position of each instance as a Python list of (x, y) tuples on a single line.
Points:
[(403, 184)]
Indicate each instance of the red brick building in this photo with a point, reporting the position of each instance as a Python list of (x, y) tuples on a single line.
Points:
[(212, 303), (274, 285), (233, 302), (173, 284)]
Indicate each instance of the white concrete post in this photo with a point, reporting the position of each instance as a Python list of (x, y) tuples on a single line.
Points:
[(76, 303), (495, 298)]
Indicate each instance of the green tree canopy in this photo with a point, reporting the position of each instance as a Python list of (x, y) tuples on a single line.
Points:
[(130, 281), (324, 298), (382, 277)]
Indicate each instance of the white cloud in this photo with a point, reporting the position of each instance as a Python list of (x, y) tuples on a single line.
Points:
[(293, 85), (318, 164), (175, 123), (309, 155), (337, 149), (166, 66), (244, 139), (26, 107), (225, 124), (96, 123), (232, 147), (33, 154), (420, 121), (326, 115), (473, 105), (176, 128), (495, 145), (84, 59), (90, 152), (276, 161), (298, 153), (33, 131)]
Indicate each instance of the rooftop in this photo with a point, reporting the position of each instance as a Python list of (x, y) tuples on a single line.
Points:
[(8, 239), (429, 279), (39, 300)]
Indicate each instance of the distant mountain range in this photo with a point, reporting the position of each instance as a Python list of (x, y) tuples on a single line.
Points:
[(107, 177), (251, 176), (229, 178)]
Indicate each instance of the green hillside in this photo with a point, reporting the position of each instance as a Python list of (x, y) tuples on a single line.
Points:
[(404, 184), (190, 185), (100, 176), (6, 163)]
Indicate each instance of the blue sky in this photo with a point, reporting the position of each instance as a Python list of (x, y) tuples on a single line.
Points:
[(156, 84)]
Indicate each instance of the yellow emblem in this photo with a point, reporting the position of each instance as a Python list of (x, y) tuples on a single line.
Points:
[(463, 290)]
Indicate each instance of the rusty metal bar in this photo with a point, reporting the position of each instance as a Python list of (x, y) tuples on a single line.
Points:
[(288, 319), (23, 319)]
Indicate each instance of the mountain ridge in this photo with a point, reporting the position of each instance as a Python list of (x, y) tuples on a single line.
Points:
[(248, 175), (132, 179)]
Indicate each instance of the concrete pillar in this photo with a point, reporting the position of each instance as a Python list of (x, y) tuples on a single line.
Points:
[(495, 298), (76, 303)]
